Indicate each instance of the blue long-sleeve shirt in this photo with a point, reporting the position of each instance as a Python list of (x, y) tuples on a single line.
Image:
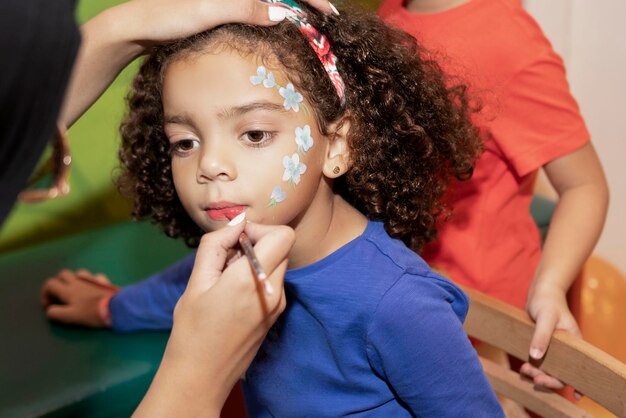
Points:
[(369, 331), (149, 304)]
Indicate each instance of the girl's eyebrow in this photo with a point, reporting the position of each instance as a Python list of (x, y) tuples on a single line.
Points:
[(181, 119), (250, 107), (236, 111)]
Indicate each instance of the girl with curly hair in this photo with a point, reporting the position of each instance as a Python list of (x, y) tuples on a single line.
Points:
[(338, 126)]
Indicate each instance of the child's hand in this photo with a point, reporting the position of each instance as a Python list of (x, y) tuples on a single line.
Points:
[(73, 297), (547, 306)]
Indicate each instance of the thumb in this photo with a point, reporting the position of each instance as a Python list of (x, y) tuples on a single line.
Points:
[(265, 14), (544, 328), (211, 256)]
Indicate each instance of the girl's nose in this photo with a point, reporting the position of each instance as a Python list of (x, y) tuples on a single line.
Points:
[(216, 165)]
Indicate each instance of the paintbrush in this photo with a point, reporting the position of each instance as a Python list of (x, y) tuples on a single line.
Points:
[(246, 246)]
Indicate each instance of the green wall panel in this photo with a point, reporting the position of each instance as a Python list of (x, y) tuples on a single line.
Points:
[(93, 200)]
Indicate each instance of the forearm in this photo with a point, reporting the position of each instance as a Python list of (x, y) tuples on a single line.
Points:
[(182, 389), (107, 47), (574, 231)]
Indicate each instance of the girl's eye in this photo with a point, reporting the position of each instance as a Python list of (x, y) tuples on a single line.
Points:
[(257, 138), (183, 147)]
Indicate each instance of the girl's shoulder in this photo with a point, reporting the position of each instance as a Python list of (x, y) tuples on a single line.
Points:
[(413, 281)]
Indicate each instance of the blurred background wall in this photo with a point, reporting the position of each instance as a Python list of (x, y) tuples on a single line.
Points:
[(591, 38)]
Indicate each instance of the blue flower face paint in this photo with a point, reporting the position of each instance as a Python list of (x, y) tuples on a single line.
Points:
[(292, 99), (293, 169), (278, 195), (304, 139)]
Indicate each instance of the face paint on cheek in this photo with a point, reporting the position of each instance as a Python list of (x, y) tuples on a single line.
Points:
[(304, 140), (277, 196), (293, 168), (293, 100)]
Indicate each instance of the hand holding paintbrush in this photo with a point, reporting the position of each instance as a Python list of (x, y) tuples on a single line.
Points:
[(246, 246)]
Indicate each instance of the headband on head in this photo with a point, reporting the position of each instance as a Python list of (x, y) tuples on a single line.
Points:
[(318, 42)]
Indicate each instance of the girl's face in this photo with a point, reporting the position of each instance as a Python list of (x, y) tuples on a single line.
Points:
[(242, 138)]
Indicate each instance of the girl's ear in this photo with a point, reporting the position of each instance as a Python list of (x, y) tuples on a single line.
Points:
[(337, 160)]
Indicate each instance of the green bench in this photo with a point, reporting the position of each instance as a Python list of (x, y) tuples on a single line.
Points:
[(52, 370)]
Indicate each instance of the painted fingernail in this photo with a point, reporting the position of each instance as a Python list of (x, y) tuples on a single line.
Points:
[(333, 8), (276, 14), (536, 353), (237, 219)]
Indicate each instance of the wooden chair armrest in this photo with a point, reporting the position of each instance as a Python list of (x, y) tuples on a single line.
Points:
[(591, 371)]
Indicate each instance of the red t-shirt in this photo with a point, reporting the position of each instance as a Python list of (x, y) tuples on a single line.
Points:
[(529, 118)]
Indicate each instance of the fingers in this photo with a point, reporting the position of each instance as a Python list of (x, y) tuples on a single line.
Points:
[(98, 278), (54, 290), (570, 325), (282, 233), (264, 13), (544, 328), (547, 320), (272, 243), (272, 247), (66, 314), (540, 378), (72, 315), (211, 256), (84, 273), (68, 287), (323, 6)]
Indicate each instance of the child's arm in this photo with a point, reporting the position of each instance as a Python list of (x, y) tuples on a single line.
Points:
[(120, 34), (574, 230), (147, 305)]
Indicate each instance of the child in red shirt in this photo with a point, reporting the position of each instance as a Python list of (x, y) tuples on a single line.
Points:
[(530, 121)]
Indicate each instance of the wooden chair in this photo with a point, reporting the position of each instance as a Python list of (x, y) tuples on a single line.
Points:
[(588, 369)]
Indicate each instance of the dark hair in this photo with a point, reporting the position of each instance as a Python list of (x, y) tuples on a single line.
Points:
[(410, 128)]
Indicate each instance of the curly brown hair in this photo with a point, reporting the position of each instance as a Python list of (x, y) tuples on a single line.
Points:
[(410, 130)]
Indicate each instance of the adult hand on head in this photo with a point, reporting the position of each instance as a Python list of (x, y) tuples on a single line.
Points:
[(547, 306), (219, 322), (116, 36), (163, 20)]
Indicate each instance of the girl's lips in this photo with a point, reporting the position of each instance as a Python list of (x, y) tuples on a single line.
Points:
[(225, 213)]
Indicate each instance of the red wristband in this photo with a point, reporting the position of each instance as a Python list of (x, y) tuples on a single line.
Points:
[(103, 309)]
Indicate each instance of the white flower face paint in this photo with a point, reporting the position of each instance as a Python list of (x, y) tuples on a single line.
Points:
[(259, 77), (304, 139), (269, 82), (278, 195), (291, 96), (292, 101), (293, 169), (263, 76)]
